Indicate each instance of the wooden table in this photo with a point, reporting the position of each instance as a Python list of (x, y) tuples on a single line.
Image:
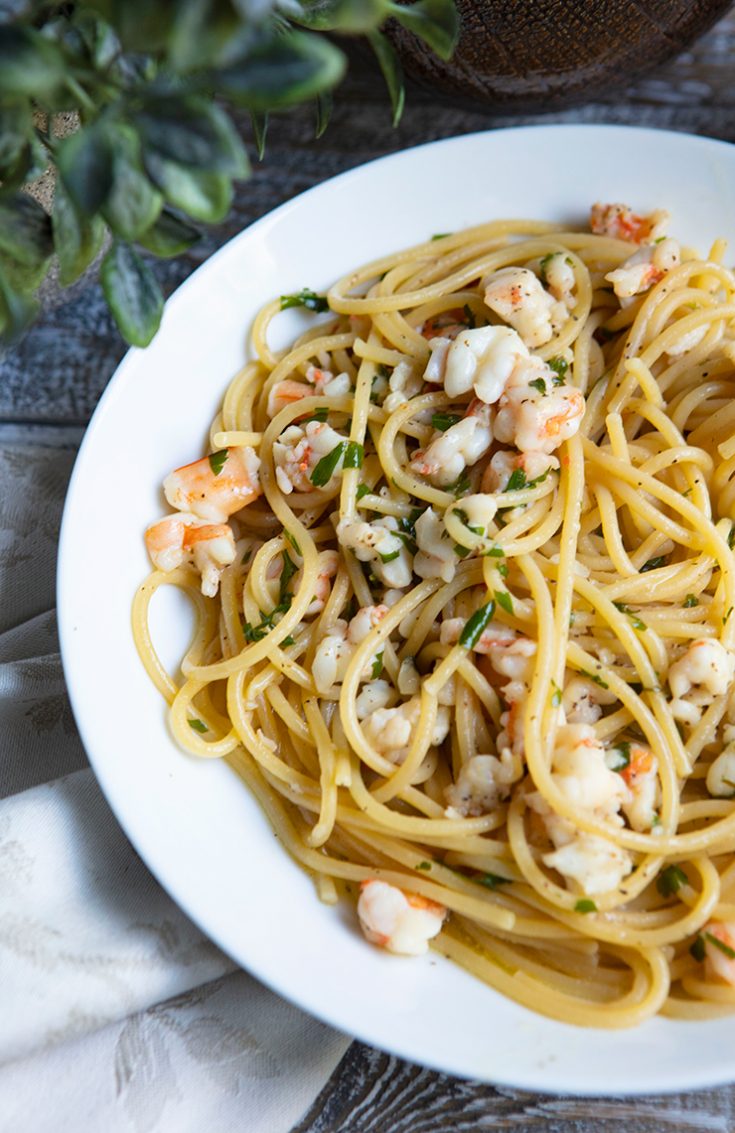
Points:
[(51, 382)]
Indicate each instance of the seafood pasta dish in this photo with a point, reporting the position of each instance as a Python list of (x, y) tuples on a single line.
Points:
[(463, 571)]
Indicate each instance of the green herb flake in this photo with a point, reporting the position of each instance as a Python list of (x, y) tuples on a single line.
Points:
[(502, 569), (654, 563), (475, 625), (469, 315), (305, 298), (354, 455), (618, 757), (495, 553), (292, 541), (388, 558), (424, 866), (492, 880), (594, 677), (560, 366), (377, 668), (544, 266), (556, 695), (727, 616), (327, 466), (217, 461), (539, 384), (443, 421), (516, 481), (670, 880), (504, 600), (539, 479), (320, 415), (690, 601), (289, 570), (440, 235), (197, 725), (635, 621), (362, 490), (698, 950), (584, 905), (461, 551), (290, 640), (460, 486), (720, 944)]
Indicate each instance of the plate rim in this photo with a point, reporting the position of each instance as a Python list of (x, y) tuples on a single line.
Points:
[(662, 1083)]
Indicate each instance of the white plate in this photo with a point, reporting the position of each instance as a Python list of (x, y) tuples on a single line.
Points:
[(194, 822)]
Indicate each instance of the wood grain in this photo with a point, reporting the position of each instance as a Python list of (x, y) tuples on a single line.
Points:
[(50, 384)]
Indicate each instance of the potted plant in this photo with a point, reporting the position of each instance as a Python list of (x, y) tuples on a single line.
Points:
[(154, 151)]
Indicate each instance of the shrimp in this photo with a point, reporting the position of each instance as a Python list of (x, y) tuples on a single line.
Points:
[(706, 664), (557, 273), (446, 324), (436, 557), (336, 649), (297, 452), (535, 413), (535, 467), (214, 487), (582, 701), (721, 772), (378, 544), (403, 384), (481, 359), (641, 778), (182, 538), (402, 923), (389, 730), (321, 382), (449, 453), (719, 943), (519, 298), (643, 269), (484, 781), (621, 223), (328, 567)]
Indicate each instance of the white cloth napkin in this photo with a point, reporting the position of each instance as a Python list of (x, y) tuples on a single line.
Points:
[(116, 1013)]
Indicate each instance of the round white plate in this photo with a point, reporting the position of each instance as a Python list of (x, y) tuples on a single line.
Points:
[(194, 822)]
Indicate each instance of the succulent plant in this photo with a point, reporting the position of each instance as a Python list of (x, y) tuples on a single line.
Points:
[(156, 150)]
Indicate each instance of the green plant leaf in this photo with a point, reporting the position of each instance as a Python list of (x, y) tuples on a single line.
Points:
[(77, 240), (17, 311), (209, 33), (85, 163), (132, 293), (30, 64), (259, 121), (324, 104), (25, 229), (202, 196), (133, 204), (283, 70), (16, 130), (434, 21), (169, 236), (356, 16), (392, 70), (193, 131)]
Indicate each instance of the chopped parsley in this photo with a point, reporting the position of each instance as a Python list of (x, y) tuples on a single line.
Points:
[(516, 481), (539, 384), (689, 601), (731, 538), (492, 880), (292, 541), (217, 461), (502, 569), (443, 421), (465, 520), (424, 865), (618, 757), (697, 949), (584, 905), (560, 366), (504, 600), (594, 677), (305, 298), (724, 948), (495, 553), (389, 557), (475, 625), (670, 880), (556, 695), (654, 563), (363, 490), (327, 466), (377, 668), (354, 455), (289, 570), (440, 235), (318, 415), (198, 725), (460, 485), (635, 621)]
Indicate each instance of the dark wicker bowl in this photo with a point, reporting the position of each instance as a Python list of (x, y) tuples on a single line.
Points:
[(544, 54)]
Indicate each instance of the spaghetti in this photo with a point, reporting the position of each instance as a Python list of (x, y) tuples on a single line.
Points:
[(462, 564)]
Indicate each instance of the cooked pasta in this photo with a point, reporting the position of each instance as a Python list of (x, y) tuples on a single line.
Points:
[(462, 564)]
